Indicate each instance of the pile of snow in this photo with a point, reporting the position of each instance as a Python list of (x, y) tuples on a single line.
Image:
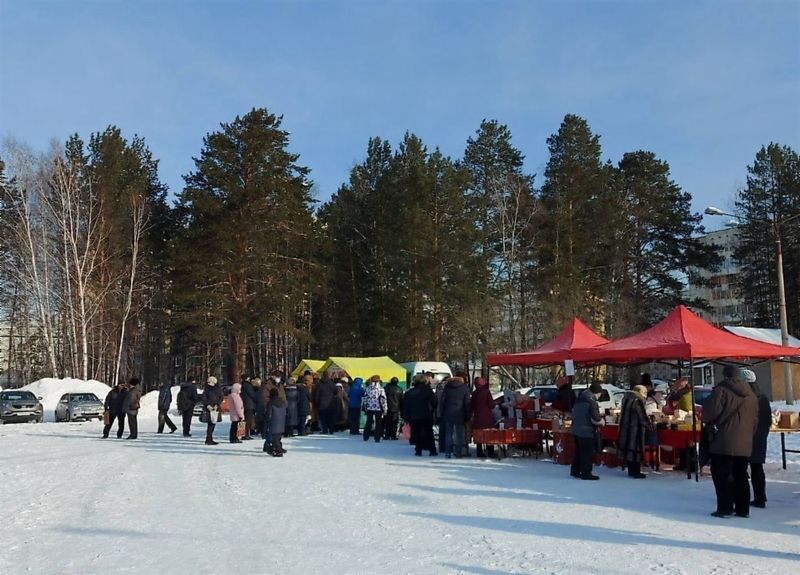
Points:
[(51, 390), (148, 406)]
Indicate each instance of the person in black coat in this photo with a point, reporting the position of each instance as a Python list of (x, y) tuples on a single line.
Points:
[(394, 399), (419, 407), (565, 396), (113, 405), (187, 399), (455, 410), (633, 427), (759, 454), (249, 400), (732, 409), (325, 398), (212, 398), (303, 404), (164, 403), (585, 421)]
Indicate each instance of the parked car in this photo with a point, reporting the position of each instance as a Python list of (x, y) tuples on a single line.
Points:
[(20, 406), (79, 407), (610, 397)]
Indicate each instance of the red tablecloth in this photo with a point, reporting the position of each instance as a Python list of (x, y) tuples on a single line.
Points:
[(677, 439)]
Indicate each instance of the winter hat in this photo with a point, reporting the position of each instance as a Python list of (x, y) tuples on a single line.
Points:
[(729, 371), (256, 382), (211, 380), (748, 375), (596, 388), (236, 388)]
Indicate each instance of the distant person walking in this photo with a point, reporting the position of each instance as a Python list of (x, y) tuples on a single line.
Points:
[(212, 398), (131, 407), (187, 399), (374, 404), (114, 407), (164, 403), (732, 413), (585, 421)]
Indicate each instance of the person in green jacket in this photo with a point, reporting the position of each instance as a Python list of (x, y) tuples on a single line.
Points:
[(681, 396)]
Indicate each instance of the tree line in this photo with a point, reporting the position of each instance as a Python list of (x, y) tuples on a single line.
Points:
[(418, 255)]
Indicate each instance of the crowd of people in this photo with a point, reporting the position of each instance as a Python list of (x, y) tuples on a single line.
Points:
[(736, 419)]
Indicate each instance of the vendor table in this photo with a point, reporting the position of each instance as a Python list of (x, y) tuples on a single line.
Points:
[(784, 451), (677, 439), (505, 437)]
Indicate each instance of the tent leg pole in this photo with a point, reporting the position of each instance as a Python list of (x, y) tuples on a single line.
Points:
[(695, 443)]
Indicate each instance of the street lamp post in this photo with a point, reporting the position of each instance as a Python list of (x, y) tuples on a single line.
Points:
[(776, 230)]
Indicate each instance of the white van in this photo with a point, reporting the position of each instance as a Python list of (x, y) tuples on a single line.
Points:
[(439, 369)]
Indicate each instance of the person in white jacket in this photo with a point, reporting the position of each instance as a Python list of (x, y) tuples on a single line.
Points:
[(374, 405)]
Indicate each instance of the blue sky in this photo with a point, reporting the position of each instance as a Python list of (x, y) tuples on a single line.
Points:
[(701, 84)]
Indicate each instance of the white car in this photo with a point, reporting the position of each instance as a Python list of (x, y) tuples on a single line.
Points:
[(610, 397)]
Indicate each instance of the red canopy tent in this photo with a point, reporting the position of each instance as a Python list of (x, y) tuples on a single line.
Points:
[(681, 335), (575, 335)]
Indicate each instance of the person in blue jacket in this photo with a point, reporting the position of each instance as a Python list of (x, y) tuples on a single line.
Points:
[(354, 404)]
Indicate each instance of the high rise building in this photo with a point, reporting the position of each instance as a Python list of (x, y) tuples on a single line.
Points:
[(727, 307)]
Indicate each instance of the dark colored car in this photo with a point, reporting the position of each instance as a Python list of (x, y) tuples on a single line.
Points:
[(20, 406)]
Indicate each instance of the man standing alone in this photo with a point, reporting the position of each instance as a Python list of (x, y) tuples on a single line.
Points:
[(732, 413)]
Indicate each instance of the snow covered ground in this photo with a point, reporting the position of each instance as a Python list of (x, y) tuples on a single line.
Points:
[(74, 503)]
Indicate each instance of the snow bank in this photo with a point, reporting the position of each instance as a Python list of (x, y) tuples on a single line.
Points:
[(51, 390), (148, 406), (782, 406)]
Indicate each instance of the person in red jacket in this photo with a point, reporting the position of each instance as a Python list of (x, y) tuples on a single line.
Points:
[(482, 406)]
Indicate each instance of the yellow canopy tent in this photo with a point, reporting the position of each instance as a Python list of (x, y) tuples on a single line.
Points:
[(366, 367), (307, 364)]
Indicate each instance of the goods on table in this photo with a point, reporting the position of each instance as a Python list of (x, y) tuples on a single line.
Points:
[(789, 420)]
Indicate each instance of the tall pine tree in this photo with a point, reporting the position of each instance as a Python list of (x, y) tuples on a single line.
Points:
[(243, 257), (772, 194)]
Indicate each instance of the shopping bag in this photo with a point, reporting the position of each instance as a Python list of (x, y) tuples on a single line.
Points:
[(405, 431), (240, 430), (106, 417)]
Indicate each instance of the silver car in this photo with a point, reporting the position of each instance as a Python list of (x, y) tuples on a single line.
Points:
[(79, 407), (20, 406)]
